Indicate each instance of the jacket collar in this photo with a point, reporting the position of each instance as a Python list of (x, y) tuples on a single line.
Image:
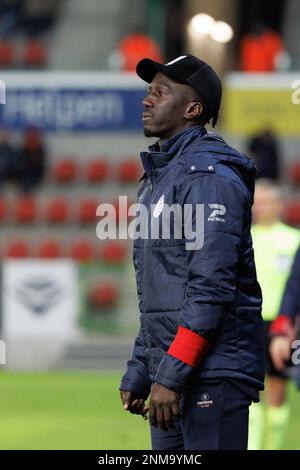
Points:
[(157, 157)]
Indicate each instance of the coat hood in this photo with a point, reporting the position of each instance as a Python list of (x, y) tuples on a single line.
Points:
[(227, 155), (212, 142)]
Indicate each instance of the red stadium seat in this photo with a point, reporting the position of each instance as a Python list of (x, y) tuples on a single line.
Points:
[(58, 211), (104, 295), (87, 211), (129, 171), (113, 252), (49, 249), (65, 171), (3, 209), (18, 249), (26, 210), (6, 53), (82, 250), (294, 173), (97, 171), (35, 54), (291, 214)]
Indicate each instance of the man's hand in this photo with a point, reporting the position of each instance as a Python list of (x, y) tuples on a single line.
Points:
[(164, 403), (280, 350), (132, 402)]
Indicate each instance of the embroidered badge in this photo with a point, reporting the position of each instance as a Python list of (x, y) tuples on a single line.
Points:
[(205, 401)]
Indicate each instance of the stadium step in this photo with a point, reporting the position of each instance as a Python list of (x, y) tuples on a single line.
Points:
[(106, 354), (96, 22)]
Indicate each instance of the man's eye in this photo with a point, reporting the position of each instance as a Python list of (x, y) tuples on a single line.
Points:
[(156, 92)]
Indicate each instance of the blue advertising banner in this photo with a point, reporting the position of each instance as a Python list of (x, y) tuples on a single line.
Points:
[(83, 104)]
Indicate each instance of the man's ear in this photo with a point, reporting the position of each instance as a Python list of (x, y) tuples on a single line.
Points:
[(193, 110)]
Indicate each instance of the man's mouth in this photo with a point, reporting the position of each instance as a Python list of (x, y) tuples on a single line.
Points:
[(146, 116)]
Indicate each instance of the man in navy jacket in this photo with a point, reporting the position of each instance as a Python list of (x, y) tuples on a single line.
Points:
[(284, 327), (199, 351)]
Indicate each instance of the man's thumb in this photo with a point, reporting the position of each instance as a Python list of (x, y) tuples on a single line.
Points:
[(126, 399)]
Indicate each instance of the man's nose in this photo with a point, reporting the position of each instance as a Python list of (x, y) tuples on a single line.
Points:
[(148, 102)]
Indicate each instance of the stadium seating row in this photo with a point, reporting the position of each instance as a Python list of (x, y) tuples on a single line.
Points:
[(56, 210), (59, 210), (33, 54), (83, 250), (67, 170)]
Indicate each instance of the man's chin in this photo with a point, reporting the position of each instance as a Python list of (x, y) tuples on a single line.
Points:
[(149, 133)]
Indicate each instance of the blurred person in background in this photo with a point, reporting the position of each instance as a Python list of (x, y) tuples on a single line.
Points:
[(38, 16), (31, 161), (284, 327), (275, 244), (136, 45), (260, 49), (7, 157), (9, 16), (264, 148)]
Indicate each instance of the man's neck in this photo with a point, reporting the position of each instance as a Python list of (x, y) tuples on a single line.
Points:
[(163, 140)]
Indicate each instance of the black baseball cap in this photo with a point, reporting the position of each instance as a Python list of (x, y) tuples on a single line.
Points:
[(189, 70)]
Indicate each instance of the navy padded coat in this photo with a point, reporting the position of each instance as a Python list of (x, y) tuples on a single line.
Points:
[(212, 291)]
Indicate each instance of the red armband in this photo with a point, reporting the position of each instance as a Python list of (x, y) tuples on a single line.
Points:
[(188, 347), (281, 326)]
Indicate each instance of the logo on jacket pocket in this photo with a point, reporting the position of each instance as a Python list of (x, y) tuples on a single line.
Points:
[(218, 211), (159, 206), (205, 402)]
